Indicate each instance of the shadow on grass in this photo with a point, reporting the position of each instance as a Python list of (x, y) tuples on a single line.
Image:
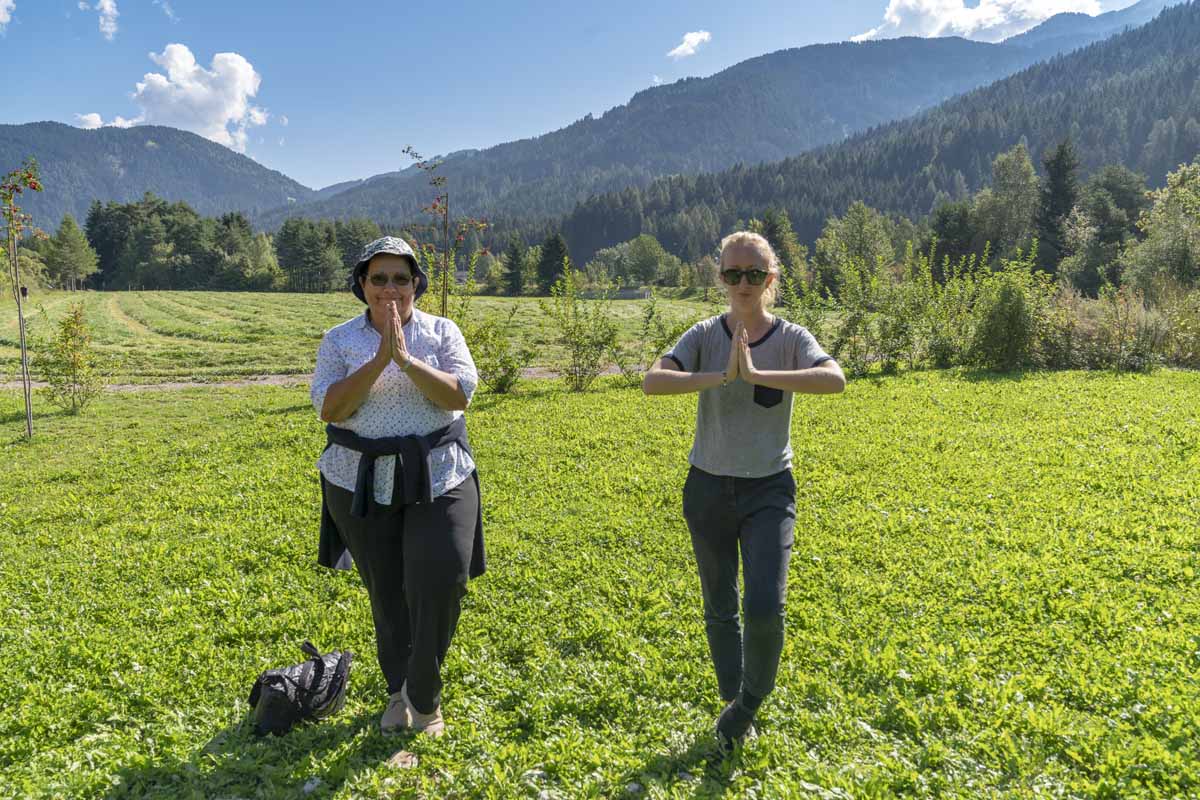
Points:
[(538, 388), (987, 376), (701, 769), (15, 435), (296, 409), (967, 374), (38, 416), (236, 763), (528, 388)]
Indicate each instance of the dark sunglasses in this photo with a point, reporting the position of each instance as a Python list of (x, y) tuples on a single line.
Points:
[(754, 277), (381, 280)]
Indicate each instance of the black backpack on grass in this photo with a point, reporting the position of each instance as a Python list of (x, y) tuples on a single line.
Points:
[(314, 689)]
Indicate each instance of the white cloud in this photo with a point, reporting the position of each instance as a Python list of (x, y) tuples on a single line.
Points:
[(691, 41), (657, 81), (990, 20), (6, 10), (93, 121), (84, 6), (283, 120), (165, 5), (108, 17), (214, 103)]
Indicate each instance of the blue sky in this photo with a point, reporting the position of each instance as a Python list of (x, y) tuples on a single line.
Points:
[(326, 92)]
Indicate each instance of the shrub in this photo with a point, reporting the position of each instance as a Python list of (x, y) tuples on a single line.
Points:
[(949, 314), (655, 336), (1181, 309), (805, 305), (852, 341), (1132, 334), (893, 337), (1067, 335), (499, 361), (73, 371), (1010, 316), (584, 328)]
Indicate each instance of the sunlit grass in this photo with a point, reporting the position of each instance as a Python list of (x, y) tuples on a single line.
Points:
[(993, 593)]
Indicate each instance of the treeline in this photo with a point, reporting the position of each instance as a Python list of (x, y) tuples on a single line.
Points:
[(1106, 230), (153, 244), (1115, 286)]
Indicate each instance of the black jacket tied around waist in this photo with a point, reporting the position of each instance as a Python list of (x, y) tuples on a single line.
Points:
[(413, 483)]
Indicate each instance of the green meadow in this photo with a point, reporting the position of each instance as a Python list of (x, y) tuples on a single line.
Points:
[(993, 591), (151, 337)]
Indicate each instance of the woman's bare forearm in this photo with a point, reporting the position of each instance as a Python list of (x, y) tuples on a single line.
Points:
[(816, 380), (668, 381), (441, 388), (344, 397)]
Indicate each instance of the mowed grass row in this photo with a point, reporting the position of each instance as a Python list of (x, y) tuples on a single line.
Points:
[(206, 336), (993, 593)]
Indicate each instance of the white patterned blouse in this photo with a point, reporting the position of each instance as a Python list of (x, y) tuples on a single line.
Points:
[(395, 406)]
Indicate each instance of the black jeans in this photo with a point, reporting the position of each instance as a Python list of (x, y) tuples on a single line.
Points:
[(414, 561), (757, 515)]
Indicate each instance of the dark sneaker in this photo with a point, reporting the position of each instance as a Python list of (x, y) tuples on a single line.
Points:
[(734, 725)]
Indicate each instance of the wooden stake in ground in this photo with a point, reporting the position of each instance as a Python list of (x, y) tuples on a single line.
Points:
[(13, 184)]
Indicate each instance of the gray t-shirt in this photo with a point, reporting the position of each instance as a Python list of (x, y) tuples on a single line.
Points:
[(743, 430)]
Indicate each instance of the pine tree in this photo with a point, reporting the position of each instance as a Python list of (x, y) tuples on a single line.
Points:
[(71, 259), (514, 262), (777, 227), (554, 252), (1060, 190)]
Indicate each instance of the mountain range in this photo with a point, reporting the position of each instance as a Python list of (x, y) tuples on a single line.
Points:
[(761, 110), (1133, 100)]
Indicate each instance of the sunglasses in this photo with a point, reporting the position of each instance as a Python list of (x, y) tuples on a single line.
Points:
[(383, 280), (754, 277)]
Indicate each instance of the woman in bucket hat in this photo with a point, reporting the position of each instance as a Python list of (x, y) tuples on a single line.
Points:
[(740, 494), (400, 493)]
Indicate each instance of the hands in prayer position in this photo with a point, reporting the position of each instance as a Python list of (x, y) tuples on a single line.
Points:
[(392, 346), (741, 364), (733, 368)]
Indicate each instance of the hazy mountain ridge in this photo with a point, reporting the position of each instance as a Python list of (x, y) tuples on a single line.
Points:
[(1133, 100), (79, 166)]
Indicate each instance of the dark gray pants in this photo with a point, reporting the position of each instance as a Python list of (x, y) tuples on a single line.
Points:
[(414, 561), (758, 516)]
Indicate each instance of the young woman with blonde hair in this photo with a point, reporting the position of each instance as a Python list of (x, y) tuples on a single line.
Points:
[(739, 494)]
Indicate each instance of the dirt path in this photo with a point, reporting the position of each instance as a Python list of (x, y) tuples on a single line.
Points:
[(254, 380)]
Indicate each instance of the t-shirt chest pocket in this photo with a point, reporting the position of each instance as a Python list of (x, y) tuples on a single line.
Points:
[(767, 397)]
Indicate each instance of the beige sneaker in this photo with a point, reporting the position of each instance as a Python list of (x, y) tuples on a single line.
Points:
[(398, 715), (432, 723)]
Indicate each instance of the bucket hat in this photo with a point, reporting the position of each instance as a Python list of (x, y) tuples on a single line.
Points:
[(397, 247)]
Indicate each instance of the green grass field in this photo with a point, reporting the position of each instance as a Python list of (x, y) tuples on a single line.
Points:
[(993, 594), (208, 336)]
